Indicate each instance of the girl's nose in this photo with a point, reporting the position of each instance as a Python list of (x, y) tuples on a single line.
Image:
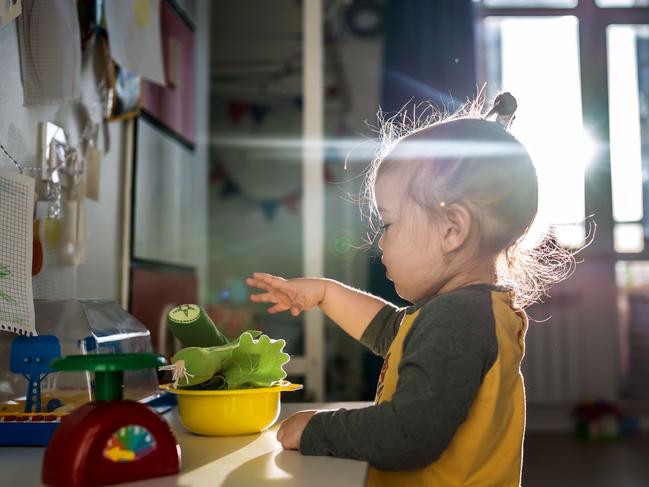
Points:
[(380, 244)]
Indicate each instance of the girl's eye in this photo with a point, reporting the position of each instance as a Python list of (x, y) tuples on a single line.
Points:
[(385, 226)]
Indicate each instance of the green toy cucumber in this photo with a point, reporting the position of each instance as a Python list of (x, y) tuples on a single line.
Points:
[(191, 325)]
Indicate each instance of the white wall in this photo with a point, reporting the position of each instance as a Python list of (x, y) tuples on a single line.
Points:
[(19, 133), (99, 276)]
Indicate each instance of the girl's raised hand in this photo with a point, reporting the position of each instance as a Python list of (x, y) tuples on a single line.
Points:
[(296, 295)]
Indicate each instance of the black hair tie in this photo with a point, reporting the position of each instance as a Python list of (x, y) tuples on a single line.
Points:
[(504, 107)]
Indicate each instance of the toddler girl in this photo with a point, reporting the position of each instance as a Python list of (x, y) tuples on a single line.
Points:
[(455, 198)]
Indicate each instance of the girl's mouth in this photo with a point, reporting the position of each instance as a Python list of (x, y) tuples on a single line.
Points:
[(387, 273)]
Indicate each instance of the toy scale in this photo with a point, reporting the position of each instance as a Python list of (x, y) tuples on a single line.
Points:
[(25, 422), (109, 440)]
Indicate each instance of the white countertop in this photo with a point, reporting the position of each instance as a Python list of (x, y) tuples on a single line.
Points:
[(227, 461)]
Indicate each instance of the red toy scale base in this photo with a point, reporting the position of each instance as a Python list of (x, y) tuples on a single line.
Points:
[(79, 453), (110, 440)]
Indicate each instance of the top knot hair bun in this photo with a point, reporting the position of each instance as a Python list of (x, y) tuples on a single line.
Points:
[(504, 107)]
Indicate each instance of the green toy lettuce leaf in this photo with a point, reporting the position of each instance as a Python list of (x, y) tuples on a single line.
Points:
[(253, 360), (255, 363), (196, 365)]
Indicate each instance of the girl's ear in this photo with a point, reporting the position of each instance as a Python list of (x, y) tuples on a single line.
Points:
[(456, 227)]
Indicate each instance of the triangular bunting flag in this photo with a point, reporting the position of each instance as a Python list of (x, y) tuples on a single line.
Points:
[(237, 110), (230, 188), (259, 113), (269, 207), (292, 202)]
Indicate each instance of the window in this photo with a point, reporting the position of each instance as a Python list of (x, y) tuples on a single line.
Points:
[(633, 301), (622, 3), (537, 60), (528, 3), (628, 90)]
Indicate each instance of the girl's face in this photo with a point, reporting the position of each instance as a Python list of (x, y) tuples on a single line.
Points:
[(412, 252)]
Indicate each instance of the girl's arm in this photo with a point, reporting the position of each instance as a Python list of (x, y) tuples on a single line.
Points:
[(350, 308), (450, 348)]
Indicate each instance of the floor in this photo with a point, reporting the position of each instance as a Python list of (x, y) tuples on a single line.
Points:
[(557, 460)]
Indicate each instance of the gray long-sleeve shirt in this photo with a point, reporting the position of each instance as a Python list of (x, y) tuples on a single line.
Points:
[(449, 348)]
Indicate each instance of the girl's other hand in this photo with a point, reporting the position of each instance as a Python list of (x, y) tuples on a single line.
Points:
[(290, 431), (296, 295)]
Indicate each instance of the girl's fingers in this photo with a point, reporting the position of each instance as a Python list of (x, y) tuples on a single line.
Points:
[(280, 291), (278, 308), (297, 306), (263, 298), (272, 284), (281, 303), (264, 276), (281, 432), (274, 281), (258, 284)]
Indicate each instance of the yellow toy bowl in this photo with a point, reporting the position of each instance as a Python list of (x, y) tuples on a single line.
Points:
[(228, 413)]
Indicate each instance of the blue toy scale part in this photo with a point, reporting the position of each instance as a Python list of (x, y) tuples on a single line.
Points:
[(161, 403), (31, 357), (27, 433), (36, 430)]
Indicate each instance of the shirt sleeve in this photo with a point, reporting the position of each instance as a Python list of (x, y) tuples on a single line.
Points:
[(382, 329), (448, 351)]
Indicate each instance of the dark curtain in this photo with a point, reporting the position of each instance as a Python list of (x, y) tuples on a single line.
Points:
[(428, 57), (428, 53)]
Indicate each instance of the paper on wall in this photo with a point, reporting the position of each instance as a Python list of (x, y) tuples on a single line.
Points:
[(16, 241), (50, 51), (134, 37), (9, 11)]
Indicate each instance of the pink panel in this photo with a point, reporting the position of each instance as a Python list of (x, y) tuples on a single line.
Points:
[(155, 292), (174, 106)]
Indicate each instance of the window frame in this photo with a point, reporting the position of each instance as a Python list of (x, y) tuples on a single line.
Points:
[(592, 22)]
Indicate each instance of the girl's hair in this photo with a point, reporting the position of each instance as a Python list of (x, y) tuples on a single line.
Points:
[(466, 159)]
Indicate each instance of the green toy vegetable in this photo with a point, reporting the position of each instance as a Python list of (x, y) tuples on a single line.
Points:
[(255, 363), (196, 365), (253, 360), (192, 326)]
